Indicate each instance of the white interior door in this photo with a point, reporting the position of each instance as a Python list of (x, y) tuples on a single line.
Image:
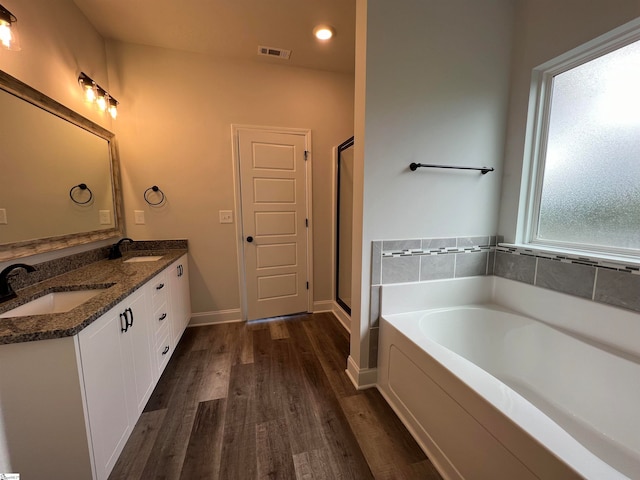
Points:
[(273, 179)]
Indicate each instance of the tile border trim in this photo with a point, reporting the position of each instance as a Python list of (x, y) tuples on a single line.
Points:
[(570, 258)]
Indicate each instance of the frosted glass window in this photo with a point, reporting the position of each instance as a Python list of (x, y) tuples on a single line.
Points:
[(590, 190)]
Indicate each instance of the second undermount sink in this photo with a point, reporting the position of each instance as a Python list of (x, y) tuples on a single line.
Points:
[(54, 302), (144, 258)]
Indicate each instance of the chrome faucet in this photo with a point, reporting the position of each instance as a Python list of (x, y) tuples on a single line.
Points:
[(114, 251), (6, 292)]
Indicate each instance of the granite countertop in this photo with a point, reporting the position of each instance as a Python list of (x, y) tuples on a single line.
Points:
[(120, 278)]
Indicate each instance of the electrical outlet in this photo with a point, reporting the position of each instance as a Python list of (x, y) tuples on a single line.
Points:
[(3, 216), (105, 217), (226, 216), (138, 217)]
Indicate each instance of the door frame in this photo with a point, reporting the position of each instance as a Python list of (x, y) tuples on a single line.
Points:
[(237, 204)]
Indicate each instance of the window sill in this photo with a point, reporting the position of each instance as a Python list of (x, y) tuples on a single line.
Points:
[(599, 259)]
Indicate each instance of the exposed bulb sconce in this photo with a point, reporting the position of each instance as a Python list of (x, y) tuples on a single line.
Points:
[(324, 32), (94, 93), (8, 30), (113, 107)]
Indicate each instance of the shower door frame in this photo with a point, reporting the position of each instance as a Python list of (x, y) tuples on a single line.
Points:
[(343, 146)]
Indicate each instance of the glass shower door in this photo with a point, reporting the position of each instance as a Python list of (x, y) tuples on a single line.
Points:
[(344, 224)]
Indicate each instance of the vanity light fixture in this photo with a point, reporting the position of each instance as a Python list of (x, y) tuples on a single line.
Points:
[(94, 93), (8, 30), (324, 32), (113, 107)]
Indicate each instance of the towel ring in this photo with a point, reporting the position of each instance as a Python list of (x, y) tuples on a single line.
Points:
[(156, 189), (81, 186)]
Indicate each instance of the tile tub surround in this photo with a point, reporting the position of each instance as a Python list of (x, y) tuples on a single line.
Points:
[(602, 281), (124, 278), (421, 260), (428, 259), (416, 260)]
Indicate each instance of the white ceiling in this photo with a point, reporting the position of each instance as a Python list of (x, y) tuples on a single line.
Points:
[(233, 28)]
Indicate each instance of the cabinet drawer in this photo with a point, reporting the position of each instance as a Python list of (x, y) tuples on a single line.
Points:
[(164, 351), (158, 289), (161, 317), (163, 330)]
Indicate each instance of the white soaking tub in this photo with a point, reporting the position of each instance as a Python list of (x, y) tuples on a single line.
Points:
[(491, 394)]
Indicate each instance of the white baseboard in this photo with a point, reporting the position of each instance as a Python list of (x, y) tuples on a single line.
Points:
[(362, 378), (212, 318), (235, 315), (333, 307), (342, 316), (323, 306)]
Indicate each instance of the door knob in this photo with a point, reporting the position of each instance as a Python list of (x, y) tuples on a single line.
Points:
[(249, 239)]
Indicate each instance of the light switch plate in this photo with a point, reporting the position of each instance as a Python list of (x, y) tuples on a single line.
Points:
[(105, 217), (138, 217), (3, 216), (226, 216)]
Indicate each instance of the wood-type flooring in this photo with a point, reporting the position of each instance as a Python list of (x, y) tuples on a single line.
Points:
[(267, 400)]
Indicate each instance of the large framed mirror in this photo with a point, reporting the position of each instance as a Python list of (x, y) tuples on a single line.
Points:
[(344, 219), (59, 175)]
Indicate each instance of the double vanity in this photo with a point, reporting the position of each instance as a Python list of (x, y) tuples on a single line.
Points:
[(80, 355), (85, 341)]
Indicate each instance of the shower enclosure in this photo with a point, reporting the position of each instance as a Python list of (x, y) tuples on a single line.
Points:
[(344, 216)]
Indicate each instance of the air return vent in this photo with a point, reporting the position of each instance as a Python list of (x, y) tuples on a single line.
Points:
[(274, 52)]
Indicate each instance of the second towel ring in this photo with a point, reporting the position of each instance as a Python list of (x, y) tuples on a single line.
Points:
[(156, 189), (81, 186)]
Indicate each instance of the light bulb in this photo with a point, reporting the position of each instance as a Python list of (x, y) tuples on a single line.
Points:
[(5, 34), (113, 110), (101, 102), (89, 93), (323, 32), (9, 38)]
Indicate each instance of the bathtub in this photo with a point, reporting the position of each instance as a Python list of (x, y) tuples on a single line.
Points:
[(490, 393)]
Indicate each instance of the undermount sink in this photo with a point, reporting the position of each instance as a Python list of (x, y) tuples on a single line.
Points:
[(54, 302), (144, 258)]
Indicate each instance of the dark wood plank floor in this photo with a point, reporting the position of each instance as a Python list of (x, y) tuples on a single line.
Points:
[(267, 400)]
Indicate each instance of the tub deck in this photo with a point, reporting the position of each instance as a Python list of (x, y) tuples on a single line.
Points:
[(538, 401)]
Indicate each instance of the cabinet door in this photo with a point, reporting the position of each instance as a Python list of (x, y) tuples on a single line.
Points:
[(136, 344), (180, 296), (104, 364)]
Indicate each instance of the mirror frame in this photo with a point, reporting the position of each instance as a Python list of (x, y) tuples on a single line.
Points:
[(10, 251)]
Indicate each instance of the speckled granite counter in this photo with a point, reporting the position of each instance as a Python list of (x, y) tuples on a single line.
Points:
[(121, 278)]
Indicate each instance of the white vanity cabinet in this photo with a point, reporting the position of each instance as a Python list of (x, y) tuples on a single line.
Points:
[(178, 274), (68, 405), (119, 376), (171, 303), (159, 302), (104, 362), (139, 371)]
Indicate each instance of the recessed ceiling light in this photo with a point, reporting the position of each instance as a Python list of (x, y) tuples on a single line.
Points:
[(324, 32)]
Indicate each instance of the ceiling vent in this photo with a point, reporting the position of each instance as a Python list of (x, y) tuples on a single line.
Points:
[(274, 52)]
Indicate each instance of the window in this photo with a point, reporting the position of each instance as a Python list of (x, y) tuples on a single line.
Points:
[(585, 182)]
